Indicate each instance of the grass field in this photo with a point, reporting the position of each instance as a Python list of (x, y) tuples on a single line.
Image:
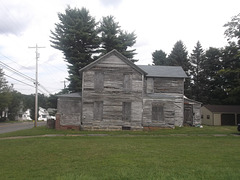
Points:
[(181, 153)]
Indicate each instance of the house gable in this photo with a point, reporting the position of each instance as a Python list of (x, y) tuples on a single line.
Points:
[(108, 60)]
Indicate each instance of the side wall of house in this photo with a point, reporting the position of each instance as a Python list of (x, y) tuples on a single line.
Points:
[(112, 96), (69, 113), (169, 93)]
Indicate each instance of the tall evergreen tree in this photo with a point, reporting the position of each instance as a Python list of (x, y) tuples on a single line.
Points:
[(159, 58), (197, 76), (76, 36), (179, 57), (112, 37)]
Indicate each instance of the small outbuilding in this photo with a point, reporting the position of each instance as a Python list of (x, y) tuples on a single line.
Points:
[(220, 115)]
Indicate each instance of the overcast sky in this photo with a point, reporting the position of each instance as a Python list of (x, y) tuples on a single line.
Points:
[(158, 25)]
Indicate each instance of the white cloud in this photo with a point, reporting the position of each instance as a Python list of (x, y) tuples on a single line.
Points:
[(15, 17)]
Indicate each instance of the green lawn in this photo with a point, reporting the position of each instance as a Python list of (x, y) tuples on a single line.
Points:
[(182, 153)]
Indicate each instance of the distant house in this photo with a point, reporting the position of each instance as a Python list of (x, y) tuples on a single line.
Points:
[(24, 116), (43, 114), (117, 94), (219, 115)]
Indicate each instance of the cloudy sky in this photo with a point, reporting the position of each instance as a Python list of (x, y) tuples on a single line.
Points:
[(158, 24)]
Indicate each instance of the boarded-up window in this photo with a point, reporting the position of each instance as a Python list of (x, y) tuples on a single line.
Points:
[(157, 113), (98, 81), (126, 111), (98, 110), (127, 83)]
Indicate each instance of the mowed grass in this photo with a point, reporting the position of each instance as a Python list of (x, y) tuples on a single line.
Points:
[(133, 155)]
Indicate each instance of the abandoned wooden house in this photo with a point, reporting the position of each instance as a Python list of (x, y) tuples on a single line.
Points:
[(119, 95)]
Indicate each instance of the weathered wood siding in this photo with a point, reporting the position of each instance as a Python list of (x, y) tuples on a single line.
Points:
[(168, 85), (69, 110), (197, 114), (168, 113), (168, 91), (122, 86)]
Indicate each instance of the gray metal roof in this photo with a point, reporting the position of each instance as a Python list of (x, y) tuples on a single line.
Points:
[(163, 71), (223, 108)]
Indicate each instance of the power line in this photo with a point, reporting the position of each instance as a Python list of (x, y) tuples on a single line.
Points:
[(19, 80), (16, 72)]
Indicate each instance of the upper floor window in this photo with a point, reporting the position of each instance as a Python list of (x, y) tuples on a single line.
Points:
[(127, 83), (98, 81)]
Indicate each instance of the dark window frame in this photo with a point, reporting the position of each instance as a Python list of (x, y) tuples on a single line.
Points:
[(157, 112), (127, 83), (98, 81), (98, 110), (126, 111)]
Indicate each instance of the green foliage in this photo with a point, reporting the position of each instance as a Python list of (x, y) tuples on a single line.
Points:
[(159, 58), (179, 57), (112, 37), (5, 95), (14, 106), (77, 38), (197, 73), (233, 29)]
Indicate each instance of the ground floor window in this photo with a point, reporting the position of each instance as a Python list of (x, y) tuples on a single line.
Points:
[(126, 111), (98, 110), (157, 112)]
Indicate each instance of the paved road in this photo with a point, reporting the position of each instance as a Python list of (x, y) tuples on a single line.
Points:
[(10, 127)]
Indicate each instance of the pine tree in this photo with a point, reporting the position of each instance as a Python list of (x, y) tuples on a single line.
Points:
[(112, 37), (159, 58), (179, 57), (76, 36), (197, 76)]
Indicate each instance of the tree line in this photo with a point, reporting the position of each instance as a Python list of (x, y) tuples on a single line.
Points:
[(12, 102), (214, 74)]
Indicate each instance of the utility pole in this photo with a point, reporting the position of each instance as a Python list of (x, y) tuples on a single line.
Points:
[(36, 85), (64, 84)]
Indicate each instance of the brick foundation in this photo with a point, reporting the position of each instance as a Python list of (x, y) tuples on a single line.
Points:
[(58, 126)]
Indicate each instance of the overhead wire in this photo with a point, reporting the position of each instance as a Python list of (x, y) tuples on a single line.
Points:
[(16, 72), (19, 80)]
